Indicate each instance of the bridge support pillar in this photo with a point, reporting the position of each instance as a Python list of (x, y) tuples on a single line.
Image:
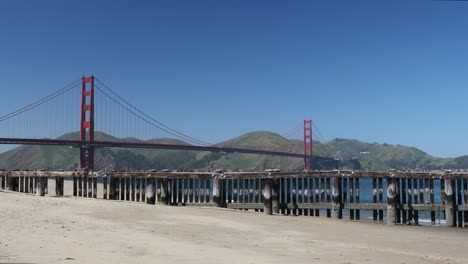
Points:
[(337, 203), (267, 205), (87, 124), (40, 186), (165, 196), (59, 186), (449, 203), (150, 191), (392, 200)]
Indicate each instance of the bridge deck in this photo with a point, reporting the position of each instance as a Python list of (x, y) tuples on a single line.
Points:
[(117, 144)]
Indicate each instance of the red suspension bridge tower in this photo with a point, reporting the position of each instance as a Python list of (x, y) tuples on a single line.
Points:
[(87, 123), (307, 144)]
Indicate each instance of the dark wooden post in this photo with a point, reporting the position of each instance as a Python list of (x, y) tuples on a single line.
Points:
[(433, 213), (80, 186), (449, 203), (46, 184), (75, 186), (40, 186), (127, 189), (143, 188), (150, 191), (85, 186), (113, 187), (267, 206), (137, 189), (337, 203), (104, 187), (164, 191), (327, 194), (95, 180), (59, 186), (217, 192), (392, 200), (380, 180), (374, 198), (90, 186), (26, 184), (31, 184), (15, 184)]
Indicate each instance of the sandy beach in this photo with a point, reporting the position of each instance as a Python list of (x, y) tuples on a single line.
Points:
[(80, 230)]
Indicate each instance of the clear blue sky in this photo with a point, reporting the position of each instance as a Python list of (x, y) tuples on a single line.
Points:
[(377, 71)]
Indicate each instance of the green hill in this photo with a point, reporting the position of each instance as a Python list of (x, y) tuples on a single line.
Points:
[(56, 157), (374, 156), (356, 154)]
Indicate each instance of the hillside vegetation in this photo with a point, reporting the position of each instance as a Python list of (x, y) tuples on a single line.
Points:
[(366, 156)]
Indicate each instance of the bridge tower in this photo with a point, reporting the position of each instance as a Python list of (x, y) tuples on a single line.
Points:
[(87, 123), (307, 144)]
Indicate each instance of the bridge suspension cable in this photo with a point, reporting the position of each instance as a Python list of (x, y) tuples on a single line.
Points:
[(294, 131), (51, 116), (116, 98), (41, 101)]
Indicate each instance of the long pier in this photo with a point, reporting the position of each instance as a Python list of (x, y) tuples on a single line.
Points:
[(394, 197)]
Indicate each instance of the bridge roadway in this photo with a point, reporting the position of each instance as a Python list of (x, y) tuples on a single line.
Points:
[(112, 144)]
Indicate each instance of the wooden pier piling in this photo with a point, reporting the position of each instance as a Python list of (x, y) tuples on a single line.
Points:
[(392, 199), (275, 196), (267, 205), (40, 186), (59, 181), (217, 192), (104, 188), (165, 195), (337, 204), (75, 186), (95, 187), (150, 191), (450, 215), (113, 189)]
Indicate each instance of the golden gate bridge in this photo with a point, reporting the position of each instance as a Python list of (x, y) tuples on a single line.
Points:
[(100, 109)]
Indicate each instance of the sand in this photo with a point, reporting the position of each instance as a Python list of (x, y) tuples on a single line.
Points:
[(82, 230)]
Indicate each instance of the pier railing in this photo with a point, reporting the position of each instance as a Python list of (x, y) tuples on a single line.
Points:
[(437, 198)]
